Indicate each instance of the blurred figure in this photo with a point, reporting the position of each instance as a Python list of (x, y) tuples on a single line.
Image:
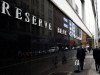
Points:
[(89, 48), (96, 56), (98, 61), (81, 53)]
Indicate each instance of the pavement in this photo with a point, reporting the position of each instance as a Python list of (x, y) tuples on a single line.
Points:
[(68, 68)]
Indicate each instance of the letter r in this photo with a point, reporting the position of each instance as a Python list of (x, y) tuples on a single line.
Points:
[(5, 7)]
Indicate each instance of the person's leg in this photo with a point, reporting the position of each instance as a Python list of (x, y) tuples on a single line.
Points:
[(96, 66), (81, 63), (99, 68)]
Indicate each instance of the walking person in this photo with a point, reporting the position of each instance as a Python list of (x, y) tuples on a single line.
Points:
[(89, 48), (96, 56), (95, 52), (98, 59), (81, 52)]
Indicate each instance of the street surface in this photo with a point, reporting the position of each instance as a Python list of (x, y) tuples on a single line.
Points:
[(89, 66), (68, 68)]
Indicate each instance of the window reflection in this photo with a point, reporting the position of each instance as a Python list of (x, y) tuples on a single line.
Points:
[(21, 41)]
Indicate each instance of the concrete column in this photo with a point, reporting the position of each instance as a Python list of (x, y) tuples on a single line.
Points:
[(83, 11)]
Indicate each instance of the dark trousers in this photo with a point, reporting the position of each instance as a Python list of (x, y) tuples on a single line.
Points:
[(81, 63), (97, 64)]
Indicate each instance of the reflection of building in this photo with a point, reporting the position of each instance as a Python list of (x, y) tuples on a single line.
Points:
[(35, 31), (38, 33), (84, 38)]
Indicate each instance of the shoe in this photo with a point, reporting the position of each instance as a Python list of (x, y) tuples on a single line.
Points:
[(99, 72)]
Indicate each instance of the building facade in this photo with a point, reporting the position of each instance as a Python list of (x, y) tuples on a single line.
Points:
[(87, 11), (38, 33), (92, 19)]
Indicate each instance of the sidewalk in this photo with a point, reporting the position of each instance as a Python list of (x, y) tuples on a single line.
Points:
[(63, 69), (68, 68), (92, 70)]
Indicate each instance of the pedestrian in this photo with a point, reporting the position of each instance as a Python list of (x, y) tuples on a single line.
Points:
[(98, 59), (89, 48), (81, 53), (95, 52), (96, 56)]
